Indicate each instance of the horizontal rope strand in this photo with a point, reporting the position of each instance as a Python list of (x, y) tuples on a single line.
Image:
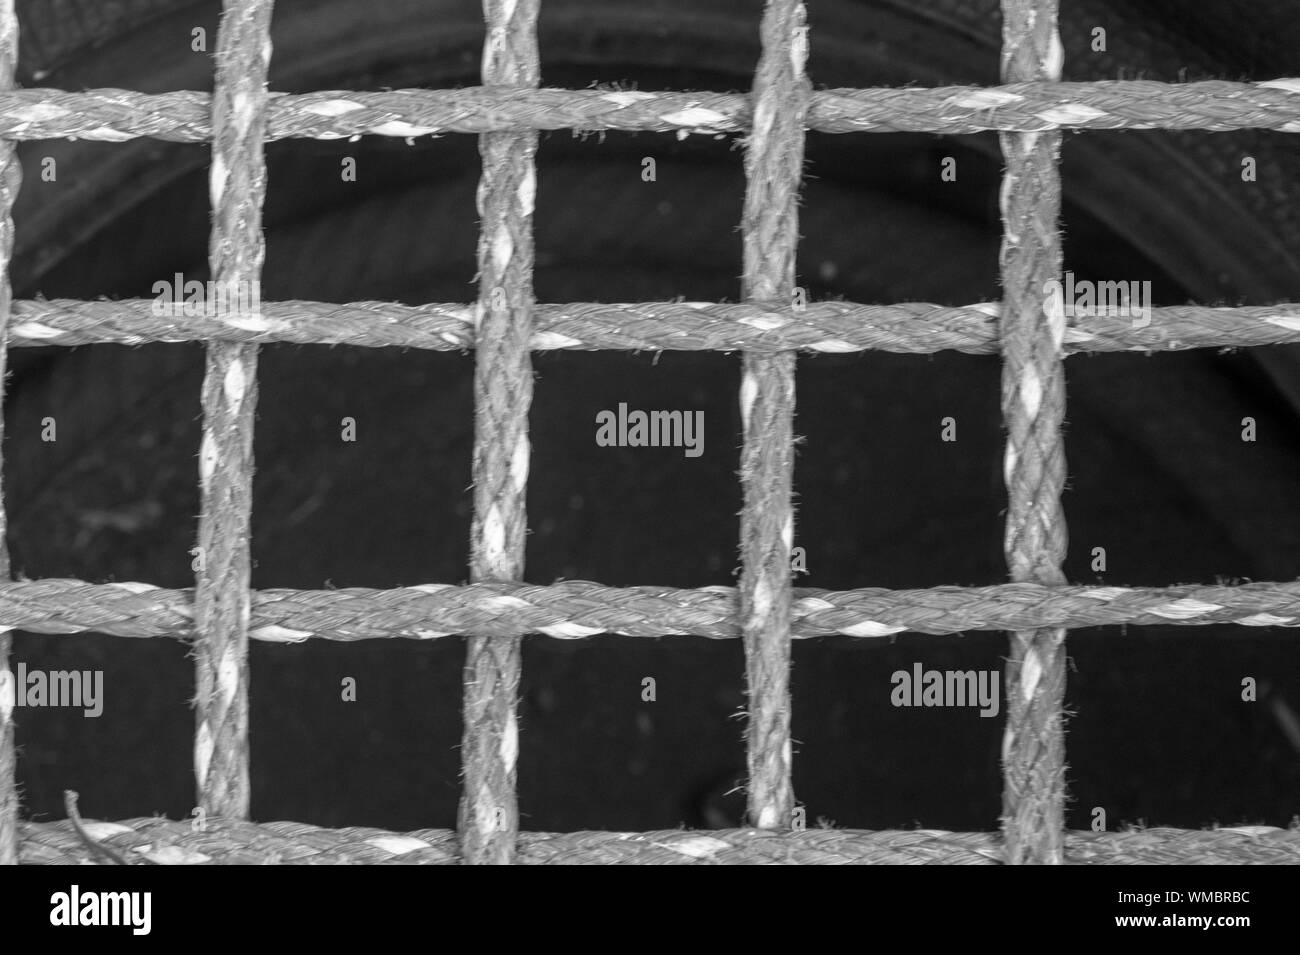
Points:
[(231, 842), (116, 115), (820, 327), (573, 609)]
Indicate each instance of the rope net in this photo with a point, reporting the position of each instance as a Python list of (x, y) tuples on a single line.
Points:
[(221, 614)]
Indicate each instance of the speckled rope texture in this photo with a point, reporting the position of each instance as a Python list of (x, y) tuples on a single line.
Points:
[(226, 842), (913, 328), (1033, 408), (116, 115), (495, 610), (11, 177), (503, 390), (574, 609), (773, 173), (222, 598)]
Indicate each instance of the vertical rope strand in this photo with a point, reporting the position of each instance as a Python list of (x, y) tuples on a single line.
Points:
[(11, 178), (773, 172), (236, 251), (503, 390), (1033, 408)]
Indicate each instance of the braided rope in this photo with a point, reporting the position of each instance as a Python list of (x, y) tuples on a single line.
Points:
[(1033, 407), (821, 327), (116, 115), (574, 609), (503, 391), (232, 842), (773, 173), (222, 598), (11, 177)]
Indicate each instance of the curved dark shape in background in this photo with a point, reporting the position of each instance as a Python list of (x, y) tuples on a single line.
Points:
[(1159, 475)]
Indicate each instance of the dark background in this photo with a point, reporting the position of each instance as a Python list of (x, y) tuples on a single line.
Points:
[(1158, 473)]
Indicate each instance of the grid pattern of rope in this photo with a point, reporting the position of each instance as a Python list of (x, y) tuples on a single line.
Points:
[(773, 173), (231, 842), (503, 391), (1033, 408), (11, 176), (221, 614), (222, 593), (116, 115)]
